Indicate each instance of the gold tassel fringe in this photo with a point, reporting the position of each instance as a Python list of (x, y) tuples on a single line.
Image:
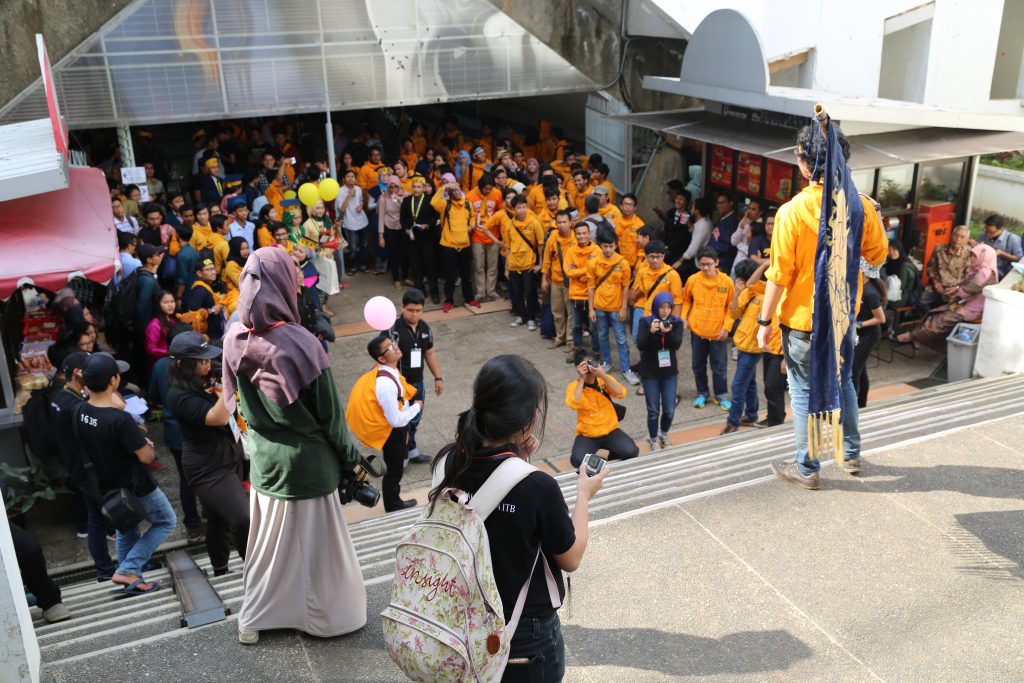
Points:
[(825, 436)]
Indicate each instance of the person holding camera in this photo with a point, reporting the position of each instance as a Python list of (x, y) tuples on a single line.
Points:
[(506, 420), (380, 408), (659, 337), (597, 417), (211, 453), (457, 221), (301, 569)]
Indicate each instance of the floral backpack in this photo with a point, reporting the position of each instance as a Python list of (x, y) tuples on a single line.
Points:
[(445, 622)]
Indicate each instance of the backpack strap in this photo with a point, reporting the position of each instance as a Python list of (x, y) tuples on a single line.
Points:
[(549, 579), (498, 484)]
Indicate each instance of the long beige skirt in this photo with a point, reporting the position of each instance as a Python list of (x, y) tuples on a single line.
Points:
[(301, 569)]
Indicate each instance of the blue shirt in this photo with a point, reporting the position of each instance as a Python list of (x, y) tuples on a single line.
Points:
[(721, 241), (158, 390), (186, 258)]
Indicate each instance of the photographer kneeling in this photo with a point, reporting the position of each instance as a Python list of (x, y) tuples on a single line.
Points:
[(597, 419), (506, 421), (211, 456)]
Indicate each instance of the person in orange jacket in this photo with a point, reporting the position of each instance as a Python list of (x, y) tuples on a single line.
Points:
[(577, 262), (707, 296)]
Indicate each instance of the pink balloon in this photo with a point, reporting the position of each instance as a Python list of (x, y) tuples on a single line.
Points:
[(380, 313)]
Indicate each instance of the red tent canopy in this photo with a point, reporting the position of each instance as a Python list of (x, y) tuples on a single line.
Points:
[(47, 236)]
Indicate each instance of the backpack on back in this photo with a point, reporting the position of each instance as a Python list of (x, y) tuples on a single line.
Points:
[(446, 621), (125, 297)]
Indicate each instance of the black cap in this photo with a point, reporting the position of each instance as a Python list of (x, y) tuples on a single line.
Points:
[(76, 360), (100, 368), (192, 345), (148, 251)]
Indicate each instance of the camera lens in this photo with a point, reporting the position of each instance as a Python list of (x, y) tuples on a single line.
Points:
[(367, 495)]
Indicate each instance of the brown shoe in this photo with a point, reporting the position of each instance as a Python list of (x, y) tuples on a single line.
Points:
[(852, 466), (555, 344), (746, 421), (729, 429), (788, 470)]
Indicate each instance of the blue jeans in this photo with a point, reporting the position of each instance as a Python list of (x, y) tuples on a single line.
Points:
[(700, 350), (581, 317), (636, 312), (415, 422), (134, 549), (540, 642), (744, 388), (97, 542), (359, 247), (796, 347), (660, 395), (604, 319)]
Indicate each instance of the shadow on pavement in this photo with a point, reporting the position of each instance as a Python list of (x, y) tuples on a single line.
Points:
[(681, 654), (984, 482), (1002, 536)]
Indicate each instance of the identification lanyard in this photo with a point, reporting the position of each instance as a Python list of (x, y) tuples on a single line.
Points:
[(416, 207)]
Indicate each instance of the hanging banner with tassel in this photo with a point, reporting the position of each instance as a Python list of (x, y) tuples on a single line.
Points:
[(836, 276)]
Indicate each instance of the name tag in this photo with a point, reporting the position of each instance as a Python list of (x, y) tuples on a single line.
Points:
[(664, 359), (416, 358), (723, 290)]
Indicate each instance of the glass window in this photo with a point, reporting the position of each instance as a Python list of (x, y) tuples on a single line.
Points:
[(864, 179), (894, 187), (941, 182)]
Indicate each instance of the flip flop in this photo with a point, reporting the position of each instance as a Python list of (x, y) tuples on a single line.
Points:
[(132, 589)]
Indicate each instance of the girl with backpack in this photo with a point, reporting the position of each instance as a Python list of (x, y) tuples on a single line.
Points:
[(530, 524)]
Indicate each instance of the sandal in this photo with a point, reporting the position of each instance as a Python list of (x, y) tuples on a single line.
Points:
[(135, 587), (639, 391)]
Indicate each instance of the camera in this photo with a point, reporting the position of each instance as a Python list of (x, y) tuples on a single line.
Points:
[(592, 362), (665, 324), (593, 463), (354, 484)]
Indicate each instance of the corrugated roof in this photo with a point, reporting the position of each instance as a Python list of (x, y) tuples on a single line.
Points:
[(29, 160)]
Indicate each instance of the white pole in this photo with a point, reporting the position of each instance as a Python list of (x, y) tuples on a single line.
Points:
[(20, 660)]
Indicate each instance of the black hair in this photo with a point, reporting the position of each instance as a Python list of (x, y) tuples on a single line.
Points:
[(707, 252), (728, 196), (413, 296), (595, 159), (755, 200), (124, 240), (185, 232), (601, 168), (171, 196), (647, 231), (549, 181), (630, 196), (655, 247), (128, 189), (770, 213), (703, 205), (373, 346), (56, 353), (810, 147), (581, 225), (97, 386), (564, 212), (744, 269), (995, 220), (517, 200), (485, 180), (676, 185), (591, 204), (263, 216), (218, 221), (152, 208), (181, 373), (606, 235), (550, 191), (509, 397)]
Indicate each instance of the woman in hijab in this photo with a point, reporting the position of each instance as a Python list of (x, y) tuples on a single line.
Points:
[(659, 337), (301, 568), (967, 306), (316, 233), (238, 252), (905, 271)]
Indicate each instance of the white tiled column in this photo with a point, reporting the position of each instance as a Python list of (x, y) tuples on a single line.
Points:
[(19, 650)]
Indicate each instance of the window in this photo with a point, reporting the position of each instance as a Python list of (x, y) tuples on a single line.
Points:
[(895, 184), (905, 47)]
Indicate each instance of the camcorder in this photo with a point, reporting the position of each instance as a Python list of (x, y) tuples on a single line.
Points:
[(593, 463), (354, 482)]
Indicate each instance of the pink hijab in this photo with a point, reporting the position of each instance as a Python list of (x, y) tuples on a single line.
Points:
[(270, 348), (985, 265)]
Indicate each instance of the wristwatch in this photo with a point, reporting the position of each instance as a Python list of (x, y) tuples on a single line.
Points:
[(763, 323), (439, 379)]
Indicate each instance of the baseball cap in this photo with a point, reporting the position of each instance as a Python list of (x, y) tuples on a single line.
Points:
[(76, 360), (600, 189), (192, 345), (148, 251), (204, 263), (100, 368)]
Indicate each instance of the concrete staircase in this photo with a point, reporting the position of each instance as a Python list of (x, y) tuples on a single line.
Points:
[(102, 623)]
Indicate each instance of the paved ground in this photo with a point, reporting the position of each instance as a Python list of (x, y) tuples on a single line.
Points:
[(464, 341), (911, 573)]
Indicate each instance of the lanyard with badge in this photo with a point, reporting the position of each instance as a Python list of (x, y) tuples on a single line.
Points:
[(664, 357)]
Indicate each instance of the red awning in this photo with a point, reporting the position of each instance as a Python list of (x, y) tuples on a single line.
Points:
[(47, 236)]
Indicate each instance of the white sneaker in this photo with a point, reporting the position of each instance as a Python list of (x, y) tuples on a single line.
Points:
[(652, 443), (516, 322), (631, 377), (247, 637), (663, 440), (735, 353), (56, 613), (530, 325), (607, 367)]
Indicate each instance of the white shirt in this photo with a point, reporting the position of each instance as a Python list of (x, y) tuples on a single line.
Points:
[(248, 231), (701, 237), (387, 397), (127, 224), (354, 218)]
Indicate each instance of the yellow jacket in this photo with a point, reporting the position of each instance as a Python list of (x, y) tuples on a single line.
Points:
[(577, 260), (456, 229), (364, 415), (367, 176), (595, 414), (645, 279), (626, 230), (552, 266), (608, 296), (794, 243), (522, 254), (706, 303)]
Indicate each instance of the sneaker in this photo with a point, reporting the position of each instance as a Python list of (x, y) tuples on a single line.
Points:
[(729, 429), (516, 322), (447, 307), (607, 367), (473, 303), (700, 401), (747, 420), (631, 377), (247, 637), (787, 470), (82, 534), (56, 613), (555, 344), (852, 465), (569, 348), (735, 353), (531, 326), (724, 404), (663, 440), (485, 299), (196, 533), (652, 443)]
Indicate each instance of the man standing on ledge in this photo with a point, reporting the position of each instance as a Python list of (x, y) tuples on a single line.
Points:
[(791, 290)]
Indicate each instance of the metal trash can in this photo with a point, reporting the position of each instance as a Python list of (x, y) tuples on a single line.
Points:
[(961, 350)]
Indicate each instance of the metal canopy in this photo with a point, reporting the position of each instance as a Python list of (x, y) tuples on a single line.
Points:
[(30, 162), (866, 151), (160, 61)]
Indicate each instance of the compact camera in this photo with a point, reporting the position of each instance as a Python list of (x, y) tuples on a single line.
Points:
[(593, 463), (354, 484)]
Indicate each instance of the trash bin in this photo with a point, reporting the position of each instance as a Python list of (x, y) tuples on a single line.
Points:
[(961, 349)]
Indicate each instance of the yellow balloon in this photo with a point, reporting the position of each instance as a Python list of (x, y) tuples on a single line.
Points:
[(329, 189), (308, 194), (289, 194)]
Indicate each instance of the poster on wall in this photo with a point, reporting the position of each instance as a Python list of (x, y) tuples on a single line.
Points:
[(721, 166), (748, 173), (778, 181)]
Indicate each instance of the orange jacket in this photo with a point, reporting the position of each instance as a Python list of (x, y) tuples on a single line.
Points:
[(608, 296), (364, 415), (645, 279), (552, 263), (367, 176), (595, 414), (706, 303), (748, 309), (626, 230), (577, 259), (523, 251), (456, 228)]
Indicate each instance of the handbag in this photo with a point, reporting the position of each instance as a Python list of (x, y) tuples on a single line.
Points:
[(122, 509)]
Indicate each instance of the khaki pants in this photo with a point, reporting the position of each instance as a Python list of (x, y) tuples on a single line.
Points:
[(561, 311), (485, 269)]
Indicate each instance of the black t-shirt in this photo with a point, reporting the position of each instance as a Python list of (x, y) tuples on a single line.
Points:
[(533, 515), (64, 401), (206, 451), (408, 340), (869, 301), (110, 437)]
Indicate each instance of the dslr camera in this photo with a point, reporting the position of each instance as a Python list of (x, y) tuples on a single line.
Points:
[(593, 463), (354, 482)]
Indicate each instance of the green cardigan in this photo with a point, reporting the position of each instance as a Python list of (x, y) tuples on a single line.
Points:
[(297, 451)]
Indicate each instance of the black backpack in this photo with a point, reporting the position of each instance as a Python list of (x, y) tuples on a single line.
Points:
[(126, 297), (38, 434)]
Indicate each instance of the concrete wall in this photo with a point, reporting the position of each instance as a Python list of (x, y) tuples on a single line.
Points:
[(905, 63), (64, 23), (999, 190), (1008, 75)]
